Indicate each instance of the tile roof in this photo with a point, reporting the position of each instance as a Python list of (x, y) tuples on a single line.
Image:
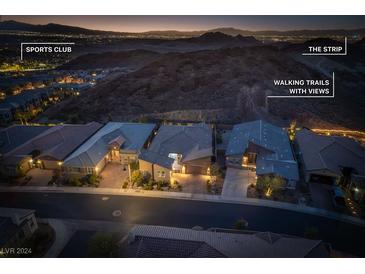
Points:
[(57, 142), (16, 135), (130, 136), (330, 152), (192, 142), (153, 157), (149, 247), (275, 153), (159, 241)]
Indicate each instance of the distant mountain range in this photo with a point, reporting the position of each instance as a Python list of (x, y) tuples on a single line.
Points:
[(52, 28)]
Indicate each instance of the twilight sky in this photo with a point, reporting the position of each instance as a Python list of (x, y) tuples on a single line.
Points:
[(147, 23)]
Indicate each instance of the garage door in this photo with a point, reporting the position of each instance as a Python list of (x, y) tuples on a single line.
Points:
[(195, 170)]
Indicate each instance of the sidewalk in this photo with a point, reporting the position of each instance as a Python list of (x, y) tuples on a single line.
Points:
[(66, 228), (63, 233), (190, 196)]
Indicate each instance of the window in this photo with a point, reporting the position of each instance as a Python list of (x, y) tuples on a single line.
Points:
[(161, 174)]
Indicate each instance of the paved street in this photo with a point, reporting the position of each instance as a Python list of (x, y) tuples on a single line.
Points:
[(185, 213)]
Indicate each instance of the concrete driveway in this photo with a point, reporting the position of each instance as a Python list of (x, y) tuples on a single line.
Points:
[(113, 176), (236, 183), (192, 183), (40, 177)]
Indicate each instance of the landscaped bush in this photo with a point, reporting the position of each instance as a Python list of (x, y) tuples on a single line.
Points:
[(74, 182), (215, 170), (149, 185), (91, 180), (267, 182), (134, 166), (175, 185), (125, 184), (240, 224), (209, 186), (140, 179)]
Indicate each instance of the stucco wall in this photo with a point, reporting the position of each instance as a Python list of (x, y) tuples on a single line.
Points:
[(145, 166), (157, 170)]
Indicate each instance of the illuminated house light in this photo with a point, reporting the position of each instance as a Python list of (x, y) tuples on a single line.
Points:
[(59, 163)]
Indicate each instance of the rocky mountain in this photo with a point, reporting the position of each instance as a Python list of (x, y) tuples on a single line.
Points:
[(226, 84), (50, 28)]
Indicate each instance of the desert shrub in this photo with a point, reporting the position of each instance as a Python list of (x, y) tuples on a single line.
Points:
[(149, 185), (137, 178), (134, 165), (240, 224), (92, 180), (270, 182), (74, 182), (209, 186), (215, 170), (125, 184)]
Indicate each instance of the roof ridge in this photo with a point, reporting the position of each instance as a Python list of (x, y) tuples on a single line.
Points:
[(345, 147)]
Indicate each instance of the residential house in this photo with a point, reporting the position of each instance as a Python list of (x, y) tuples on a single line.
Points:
[(181, 149), (16, 135), (16, 224), (325, 159), (23, 102), (115, 142), (147, 241), (48, 149), (262, 147)]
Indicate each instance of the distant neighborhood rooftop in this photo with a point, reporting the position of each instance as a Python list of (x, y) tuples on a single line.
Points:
[(168, 242), (16, 135), (192, 142), (130, 137), (330, 152), (24, 97), (276, 157)]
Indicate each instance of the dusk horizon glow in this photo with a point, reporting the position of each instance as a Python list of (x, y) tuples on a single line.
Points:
[(197, 23)]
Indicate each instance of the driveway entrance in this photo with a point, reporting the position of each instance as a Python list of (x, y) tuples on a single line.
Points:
[(236, 182), (113, 176), (39, 177)]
